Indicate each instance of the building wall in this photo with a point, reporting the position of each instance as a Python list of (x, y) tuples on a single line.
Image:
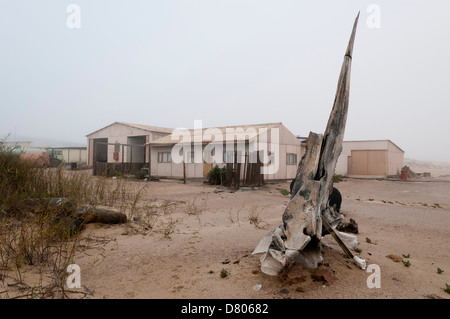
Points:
[(136, 154), (392, 161), (288, 144), (395, 159), (74, 155), (120, 133), (121, 140), (367, 162), (90, 153), (172, 169), (348, 146)]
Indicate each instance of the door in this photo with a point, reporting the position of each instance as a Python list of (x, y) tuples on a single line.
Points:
[(206, 168), (367, 162)]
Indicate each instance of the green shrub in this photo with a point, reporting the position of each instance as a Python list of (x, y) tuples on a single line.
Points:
[(223, 273), (140, 175), (406, 263), (216, 175), (447, 288)]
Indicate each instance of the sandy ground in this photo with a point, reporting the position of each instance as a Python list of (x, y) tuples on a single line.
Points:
[(178, 243)]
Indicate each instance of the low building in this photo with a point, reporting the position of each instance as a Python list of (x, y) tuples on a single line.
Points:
[(379, 158), (121, 147), (128, 148), (68, 155), (272, 147)]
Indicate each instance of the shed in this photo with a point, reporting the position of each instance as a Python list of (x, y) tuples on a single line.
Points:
[(370, 158), (122, 147), (68, 155)]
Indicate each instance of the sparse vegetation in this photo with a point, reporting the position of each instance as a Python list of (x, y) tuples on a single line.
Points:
[(447, 288), (193, 209), (255, 219), (141, 175), (357, 249), (134, 203), (36, 235), (406, 256), (406, 263), (284, 192), (216, 175), (168, 227), (223, 273), (439, 271), (237, 215)]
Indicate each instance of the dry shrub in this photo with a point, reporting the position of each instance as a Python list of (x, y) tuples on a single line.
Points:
[(255, 219), (38, 236)]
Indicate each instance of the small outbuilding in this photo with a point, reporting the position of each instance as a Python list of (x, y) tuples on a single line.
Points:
[(122, 147), (378, 158), (75, 156)]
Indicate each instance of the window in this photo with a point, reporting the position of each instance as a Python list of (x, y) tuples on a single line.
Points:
[(228, 157), (190, 157), (291, 158), (164, 157)]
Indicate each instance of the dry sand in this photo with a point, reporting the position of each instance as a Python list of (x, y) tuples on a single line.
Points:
[(147, 258)]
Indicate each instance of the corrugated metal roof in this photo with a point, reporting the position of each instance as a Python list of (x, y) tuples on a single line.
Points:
[(389, 141), (139, 126), (167, 140), (148, 127)]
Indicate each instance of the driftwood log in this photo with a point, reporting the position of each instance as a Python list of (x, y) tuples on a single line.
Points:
[(74, 219), (297, 238), (90, 214)]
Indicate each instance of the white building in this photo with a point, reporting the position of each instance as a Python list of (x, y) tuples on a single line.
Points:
[(125, 147), (68, 155), (370, 158), (119, 143), (283, 149)]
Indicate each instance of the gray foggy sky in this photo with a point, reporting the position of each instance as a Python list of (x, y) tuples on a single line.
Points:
[(168, 63)]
